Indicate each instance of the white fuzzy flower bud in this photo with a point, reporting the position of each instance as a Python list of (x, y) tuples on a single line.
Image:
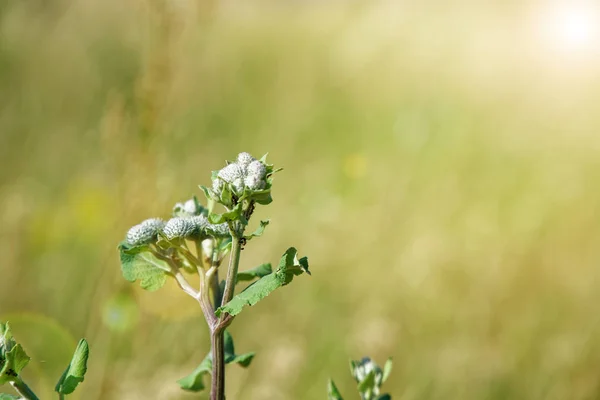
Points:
[(243, 159), (144, 233), (232, 174), (188, 208), (253, 182), (255, 176), (179, 228), (218, 230), (200, 223), (257, 169)]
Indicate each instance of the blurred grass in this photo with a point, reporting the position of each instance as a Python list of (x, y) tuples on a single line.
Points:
[(441, 171)]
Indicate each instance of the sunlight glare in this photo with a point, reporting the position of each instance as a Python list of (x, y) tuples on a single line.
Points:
[(572, 27)]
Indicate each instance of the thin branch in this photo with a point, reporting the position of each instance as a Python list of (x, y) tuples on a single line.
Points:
[(176, 273)]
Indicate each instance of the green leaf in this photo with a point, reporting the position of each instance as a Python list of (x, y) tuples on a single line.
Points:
[(289, 266), (14, 361), (75, 372), (259, 231), (332, 392), (194, 381), (142, 266), (256, 272), (208, 193), (387, 369), (243, 360), (12, 356), (234, 215), (263, 159), (385, 397), (368, 382), (262, 197), (6, 396)]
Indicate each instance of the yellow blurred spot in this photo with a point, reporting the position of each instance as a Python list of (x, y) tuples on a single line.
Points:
[(355, 166), (91, 209), (170, 302)]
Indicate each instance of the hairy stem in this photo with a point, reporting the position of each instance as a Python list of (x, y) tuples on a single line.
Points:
[(22, 388), (218, 356), (217, 391), (216, 289), (234, 262)]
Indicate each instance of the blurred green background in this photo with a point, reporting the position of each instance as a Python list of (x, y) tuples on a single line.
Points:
[(442, 172)]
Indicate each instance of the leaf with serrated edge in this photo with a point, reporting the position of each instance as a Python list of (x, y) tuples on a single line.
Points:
[(75, 372), (332, 392), (143, 266), (288, 268)]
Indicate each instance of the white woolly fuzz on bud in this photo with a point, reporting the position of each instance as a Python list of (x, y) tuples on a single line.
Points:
[(200, 223), (207, 247), (179, 228), (144, 233), (190, 207), (218, 230), (257, 168), (232, 174), (244, 159), (254, 182)]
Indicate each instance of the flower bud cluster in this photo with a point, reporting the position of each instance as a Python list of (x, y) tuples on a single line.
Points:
[(145, 233), (246, 172), (178, 227)]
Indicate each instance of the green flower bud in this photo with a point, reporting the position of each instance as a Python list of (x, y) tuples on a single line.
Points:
[(180, 227), (145, 233)]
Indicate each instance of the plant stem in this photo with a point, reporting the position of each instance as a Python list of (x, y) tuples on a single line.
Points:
[(217, 391), (234, 262), (22, 388), (218, 356)]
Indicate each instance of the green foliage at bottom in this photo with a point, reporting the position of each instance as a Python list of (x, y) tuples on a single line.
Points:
[(194, 381)]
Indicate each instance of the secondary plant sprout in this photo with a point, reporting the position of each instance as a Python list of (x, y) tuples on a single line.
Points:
[(197, 240), (13, 359)]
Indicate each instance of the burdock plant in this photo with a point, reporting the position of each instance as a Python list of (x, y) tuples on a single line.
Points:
[(196, 240)]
